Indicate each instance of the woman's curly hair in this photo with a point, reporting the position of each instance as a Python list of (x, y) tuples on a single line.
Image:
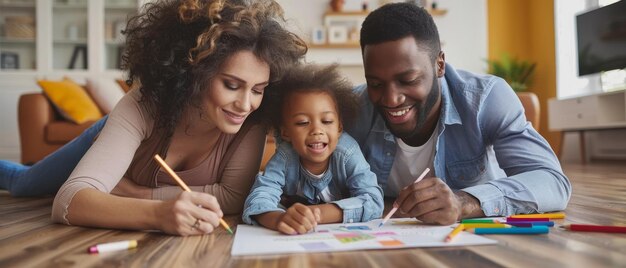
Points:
[(175, 48), (312, 78)]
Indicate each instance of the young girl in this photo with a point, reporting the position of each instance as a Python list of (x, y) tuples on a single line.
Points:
[(318, 168)]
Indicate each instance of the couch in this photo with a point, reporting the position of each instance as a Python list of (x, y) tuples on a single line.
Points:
[(42, 130)]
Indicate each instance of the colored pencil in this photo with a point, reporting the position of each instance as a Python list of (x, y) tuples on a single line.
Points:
[(529, 223), (486, 225), (183, 185), (393, 210), (459, 228), (479, 221), (557, 215), (509, 219), (595, 228), (532, 230)]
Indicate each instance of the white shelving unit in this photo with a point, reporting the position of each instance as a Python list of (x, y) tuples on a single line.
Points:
[(48, 53)]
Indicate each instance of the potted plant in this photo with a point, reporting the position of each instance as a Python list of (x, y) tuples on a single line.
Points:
[(518, 73)]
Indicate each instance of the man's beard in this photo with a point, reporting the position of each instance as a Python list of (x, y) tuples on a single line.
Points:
[(421, 115)]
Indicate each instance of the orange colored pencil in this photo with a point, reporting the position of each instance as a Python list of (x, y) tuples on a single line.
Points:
[(556, 215), (183, 185), (459, 228)]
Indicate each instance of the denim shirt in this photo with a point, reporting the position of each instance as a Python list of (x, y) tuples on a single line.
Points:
[(484, 147), (348, 178)]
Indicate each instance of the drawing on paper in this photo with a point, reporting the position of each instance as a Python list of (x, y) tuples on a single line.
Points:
[(401, 233)]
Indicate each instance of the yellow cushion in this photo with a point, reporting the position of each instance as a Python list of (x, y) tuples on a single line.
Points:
[(71, 100)]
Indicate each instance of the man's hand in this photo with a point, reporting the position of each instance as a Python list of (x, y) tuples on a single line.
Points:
[(128, 188), (432, 201)]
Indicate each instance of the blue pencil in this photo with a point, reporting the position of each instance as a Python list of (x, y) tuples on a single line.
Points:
[(531, 230)]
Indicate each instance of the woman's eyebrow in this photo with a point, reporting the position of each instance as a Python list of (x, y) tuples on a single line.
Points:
[(244, 81)]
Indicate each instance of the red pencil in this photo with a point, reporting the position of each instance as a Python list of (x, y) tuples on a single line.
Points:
[(595, 228)]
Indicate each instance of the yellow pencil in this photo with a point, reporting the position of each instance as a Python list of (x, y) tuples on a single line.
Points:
[(557, 215), (459, 228), (183, 185)]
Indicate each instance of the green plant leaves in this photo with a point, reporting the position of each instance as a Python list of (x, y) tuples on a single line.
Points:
[(518, 73)]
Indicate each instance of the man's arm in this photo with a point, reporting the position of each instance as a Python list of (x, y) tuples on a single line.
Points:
[(535, 181)]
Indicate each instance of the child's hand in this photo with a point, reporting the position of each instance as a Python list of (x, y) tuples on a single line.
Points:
[(298, 219)]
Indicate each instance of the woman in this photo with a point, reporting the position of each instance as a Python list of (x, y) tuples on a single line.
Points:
[(201, 68)]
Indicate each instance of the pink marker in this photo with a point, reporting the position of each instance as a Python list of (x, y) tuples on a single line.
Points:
[(114, 246)]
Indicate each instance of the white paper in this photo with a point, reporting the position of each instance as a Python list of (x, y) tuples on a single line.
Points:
[(396, 233)]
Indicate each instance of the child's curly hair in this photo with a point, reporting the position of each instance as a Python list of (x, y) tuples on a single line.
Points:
[(174, 49), (313, 78)]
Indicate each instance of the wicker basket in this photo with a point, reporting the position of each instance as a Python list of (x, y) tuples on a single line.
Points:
[(19, 27)]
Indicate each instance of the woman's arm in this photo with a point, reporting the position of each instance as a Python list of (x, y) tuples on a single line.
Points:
[(176, 216), (84, 198)]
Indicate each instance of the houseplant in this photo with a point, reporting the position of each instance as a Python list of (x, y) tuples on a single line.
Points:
[(518, 73)]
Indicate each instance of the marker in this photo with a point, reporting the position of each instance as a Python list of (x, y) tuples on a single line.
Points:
[(459, 228), (594, 228), (113, 246), (558, 215), (532, 230), (393, 210)]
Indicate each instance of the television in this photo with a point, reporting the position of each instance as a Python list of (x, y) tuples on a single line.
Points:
[(601, 37)]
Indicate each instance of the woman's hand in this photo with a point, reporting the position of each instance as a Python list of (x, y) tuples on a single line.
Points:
[(191, 213), (128, 188)]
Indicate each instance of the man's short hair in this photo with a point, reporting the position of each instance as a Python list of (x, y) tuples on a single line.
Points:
[(395, 21)]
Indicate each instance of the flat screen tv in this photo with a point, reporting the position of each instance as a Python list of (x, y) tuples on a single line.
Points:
[(601, 35)]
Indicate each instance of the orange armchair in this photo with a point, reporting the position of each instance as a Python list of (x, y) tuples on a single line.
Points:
[(42, 130)]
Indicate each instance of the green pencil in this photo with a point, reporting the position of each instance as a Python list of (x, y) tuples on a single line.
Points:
[(478, 221)]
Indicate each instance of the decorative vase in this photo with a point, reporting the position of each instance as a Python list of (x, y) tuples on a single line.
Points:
[(337, 5)]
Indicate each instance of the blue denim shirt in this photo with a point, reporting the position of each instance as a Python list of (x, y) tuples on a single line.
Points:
[(348, 178), (484, 147)]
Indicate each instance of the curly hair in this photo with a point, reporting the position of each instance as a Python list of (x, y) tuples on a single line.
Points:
[(312, 78), (174, 49), (398, 20)]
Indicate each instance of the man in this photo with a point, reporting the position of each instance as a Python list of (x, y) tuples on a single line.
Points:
[(470, 130)]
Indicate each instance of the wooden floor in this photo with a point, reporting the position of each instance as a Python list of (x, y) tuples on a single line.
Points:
[(29, 239)]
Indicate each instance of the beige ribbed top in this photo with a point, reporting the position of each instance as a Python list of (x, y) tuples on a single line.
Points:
[(125, 148)]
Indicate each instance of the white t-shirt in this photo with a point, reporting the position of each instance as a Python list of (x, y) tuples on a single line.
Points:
[(409, 163)]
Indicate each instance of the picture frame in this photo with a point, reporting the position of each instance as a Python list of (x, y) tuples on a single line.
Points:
[(318, 35), (9, 60), (337, 35)]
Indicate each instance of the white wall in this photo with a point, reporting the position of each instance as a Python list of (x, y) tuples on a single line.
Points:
[(463, 32)]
